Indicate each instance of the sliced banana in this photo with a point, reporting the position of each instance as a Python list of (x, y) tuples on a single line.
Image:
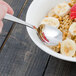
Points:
[(68, 47), (62, 9), (51, 21), (51, 12), (72, 28)]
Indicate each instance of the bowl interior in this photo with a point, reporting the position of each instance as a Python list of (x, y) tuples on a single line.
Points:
[(36, 12)]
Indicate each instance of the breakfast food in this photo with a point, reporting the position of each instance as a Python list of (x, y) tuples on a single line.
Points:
[(52, 21), (72, 29), (62, 9), (68, 47), (63, 17), (73, 12)]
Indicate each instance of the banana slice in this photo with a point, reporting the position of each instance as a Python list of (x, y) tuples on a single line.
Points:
[(68, 47), (72, 28), (62, 9), (51, 12), (51, 21)]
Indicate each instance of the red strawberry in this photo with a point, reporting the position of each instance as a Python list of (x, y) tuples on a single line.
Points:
[(73, 12), (73, 9), (73, 15)]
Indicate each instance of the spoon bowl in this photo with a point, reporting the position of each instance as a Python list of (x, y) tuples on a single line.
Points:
[(53, 35), (50, 35)]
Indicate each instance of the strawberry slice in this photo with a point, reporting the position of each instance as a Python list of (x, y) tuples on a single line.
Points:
[(45, 37), (73, 15), (73, 9), (73, 12)]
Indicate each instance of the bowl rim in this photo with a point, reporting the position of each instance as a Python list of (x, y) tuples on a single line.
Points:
[(52, 53)]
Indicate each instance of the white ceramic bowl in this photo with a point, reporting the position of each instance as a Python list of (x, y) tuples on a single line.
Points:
[(37, 10)]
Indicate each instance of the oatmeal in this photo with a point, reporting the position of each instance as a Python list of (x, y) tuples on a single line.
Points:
[(66, 15)]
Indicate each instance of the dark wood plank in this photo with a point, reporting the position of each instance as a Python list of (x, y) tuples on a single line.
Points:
[(58, 67), (16, 5), (20, 56)]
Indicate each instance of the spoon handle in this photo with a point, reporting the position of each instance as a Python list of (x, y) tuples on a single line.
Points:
[(15, 19)]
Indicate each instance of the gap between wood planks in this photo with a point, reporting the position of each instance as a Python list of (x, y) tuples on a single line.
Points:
[(46, 65), (13, 25)]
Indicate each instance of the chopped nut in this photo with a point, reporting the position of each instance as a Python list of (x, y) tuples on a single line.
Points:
[(70, 4), (46, 16), (56, 16), (60, 18), (74, 55), (59, 45)]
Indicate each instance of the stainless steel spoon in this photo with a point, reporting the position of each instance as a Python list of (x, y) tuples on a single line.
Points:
[(49, 35)]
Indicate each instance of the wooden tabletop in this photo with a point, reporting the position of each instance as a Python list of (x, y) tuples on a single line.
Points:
[(21, 57)]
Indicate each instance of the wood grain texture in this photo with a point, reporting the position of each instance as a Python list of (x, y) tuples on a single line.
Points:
[(20, 56), (57, 67), (16, 5)]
